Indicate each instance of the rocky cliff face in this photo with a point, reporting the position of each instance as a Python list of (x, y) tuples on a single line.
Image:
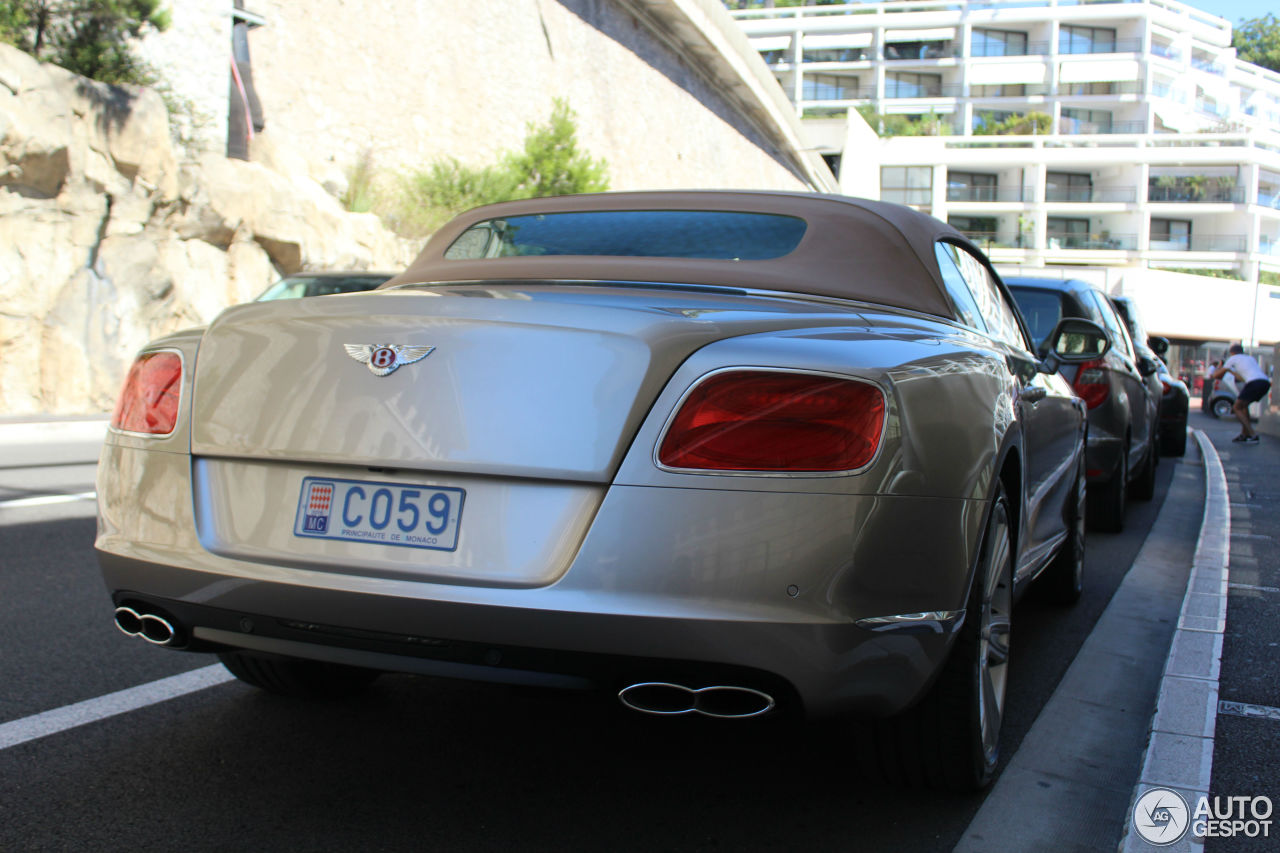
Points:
[(109, 235)]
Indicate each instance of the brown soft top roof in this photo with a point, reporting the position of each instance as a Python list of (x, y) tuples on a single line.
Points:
[(852, 248)]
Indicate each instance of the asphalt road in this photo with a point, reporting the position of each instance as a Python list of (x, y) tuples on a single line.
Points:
[(425, 764)]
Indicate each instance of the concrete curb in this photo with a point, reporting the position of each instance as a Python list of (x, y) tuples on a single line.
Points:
[(1179, 754)]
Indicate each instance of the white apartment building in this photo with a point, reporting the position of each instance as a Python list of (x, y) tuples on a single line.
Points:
[(1156, 149)]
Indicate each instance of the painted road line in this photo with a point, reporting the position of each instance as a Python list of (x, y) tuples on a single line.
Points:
[(48, 500), (1244, 709), (120, 702), (1252, 588)]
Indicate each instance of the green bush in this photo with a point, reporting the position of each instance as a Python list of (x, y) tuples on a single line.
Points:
[(416, 203), (89, 37)]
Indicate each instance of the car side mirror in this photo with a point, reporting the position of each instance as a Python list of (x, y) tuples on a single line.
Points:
[(1073, 341), (1159, 345), (1147, 366)]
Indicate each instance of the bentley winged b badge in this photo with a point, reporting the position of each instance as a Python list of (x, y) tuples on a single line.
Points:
[(385, 358)]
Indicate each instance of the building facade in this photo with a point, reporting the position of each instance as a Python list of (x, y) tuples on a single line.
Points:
[(1117, 140)]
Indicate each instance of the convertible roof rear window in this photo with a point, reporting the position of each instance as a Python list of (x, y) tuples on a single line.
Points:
[(720, 235)]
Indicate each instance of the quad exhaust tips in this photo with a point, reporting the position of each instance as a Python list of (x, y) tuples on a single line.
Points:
[(726, 702), (150, 627)]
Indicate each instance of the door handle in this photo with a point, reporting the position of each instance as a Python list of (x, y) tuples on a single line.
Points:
[(1033, 394)]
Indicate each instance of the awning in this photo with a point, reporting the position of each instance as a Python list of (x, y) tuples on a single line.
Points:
[(1094, 71), (988, 73), (771, 43), (837, 41), (936, 34)]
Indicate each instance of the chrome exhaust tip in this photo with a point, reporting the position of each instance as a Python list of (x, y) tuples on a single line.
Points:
[(722, 701), (150, 627)]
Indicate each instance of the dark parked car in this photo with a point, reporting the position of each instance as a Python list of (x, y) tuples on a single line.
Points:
[(322, 284), (1175, 398), (716, 453), (1120, 388)]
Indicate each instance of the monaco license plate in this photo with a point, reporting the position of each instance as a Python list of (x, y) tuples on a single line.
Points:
[(380, 513)]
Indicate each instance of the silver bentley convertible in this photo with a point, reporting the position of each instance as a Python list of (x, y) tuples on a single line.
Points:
[(723, 453)]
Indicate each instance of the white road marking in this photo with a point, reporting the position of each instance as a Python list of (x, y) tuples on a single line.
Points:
[(1252, 588), (122, 701), (1244, 709), (46, 500)]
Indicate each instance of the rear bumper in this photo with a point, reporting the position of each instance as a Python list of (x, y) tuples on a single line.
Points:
[(1102, 456), (656, 584), (820, 669)]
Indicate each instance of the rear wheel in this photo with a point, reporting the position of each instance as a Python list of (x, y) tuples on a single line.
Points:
[(1221, 408), (1106, 500), (1063, 580), (298, 678), (951, 739)]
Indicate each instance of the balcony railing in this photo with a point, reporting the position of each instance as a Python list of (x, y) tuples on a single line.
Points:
[(1033, 48), (988, 240), (1102, 240), (1196, 194), (909, 91), (1167, 51), (1075, 127), (992, 194), (1117, 46), (1027, 90), (1209, 65), (1199, 243), (1091, 194), (1218, 243)]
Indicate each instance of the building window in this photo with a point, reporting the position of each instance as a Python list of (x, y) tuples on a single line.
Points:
[(1066, 186), (1085, 121), (997, 43), (899, 84), (906, 184), (835, 54), (916, 50), (1086, 40), (971, 186), (1064, 233), (1172, 234), (1088, 89), (829, 87), (1004, 90), (833, 163), (979, 229)]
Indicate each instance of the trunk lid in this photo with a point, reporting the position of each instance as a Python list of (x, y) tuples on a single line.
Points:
[(544, 381)]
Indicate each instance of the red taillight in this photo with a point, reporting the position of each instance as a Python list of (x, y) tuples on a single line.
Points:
[(1093, 383), (1166, 386), (149, 401), (755, 420)]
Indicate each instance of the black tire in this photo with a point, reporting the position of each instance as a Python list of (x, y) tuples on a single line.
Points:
[(1144, 485), (1173, 442), (950, 739), (1106, 500), (304, 679), (1221, 408), (1062, 581)]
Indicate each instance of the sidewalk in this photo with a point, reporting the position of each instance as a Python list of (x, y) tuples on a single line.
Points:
[(1216, 729)]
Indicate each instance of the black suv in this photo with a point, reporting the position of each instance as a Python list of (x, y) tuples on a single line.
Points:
[(1121, 390)]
